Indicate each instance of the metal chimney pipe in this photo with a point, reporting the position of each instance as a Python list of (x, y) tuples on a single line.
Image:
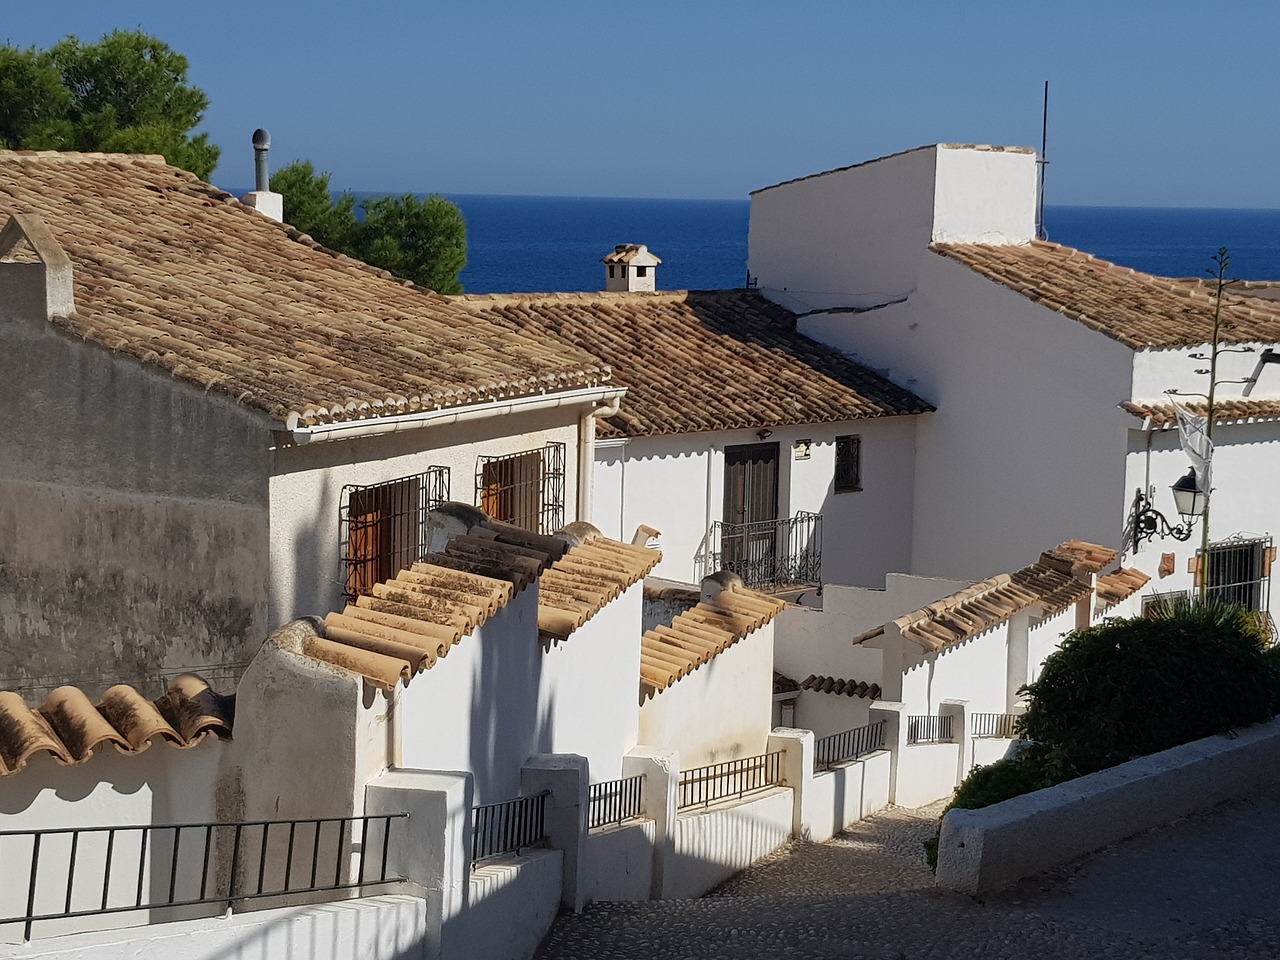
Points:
[(261, 144)]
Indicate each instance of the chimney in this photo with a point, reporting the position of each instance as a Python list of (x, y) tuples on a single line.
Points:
[(261, 198), (630, 268)]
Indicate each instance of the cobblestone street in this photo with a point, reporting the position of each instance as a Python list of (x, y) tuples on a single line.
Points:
[(1201, 888)]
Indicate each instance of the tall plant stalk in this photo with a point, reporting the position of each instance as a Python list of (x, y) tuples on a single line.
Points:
[(1221, 261)]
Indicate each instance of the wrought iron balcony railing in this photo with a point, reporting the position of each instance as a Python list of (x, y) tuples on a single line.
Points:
[(769, 554)]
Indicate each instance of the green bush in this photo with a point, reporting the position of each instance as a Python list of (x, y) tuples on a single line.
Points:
[(1133, 687)]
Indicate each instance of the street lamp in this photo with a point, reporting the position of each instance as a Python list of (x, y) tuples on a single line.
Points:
[(1148, 522)]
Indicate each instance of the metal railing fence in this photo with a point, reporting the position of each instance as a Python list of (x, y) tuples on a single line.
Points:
[(935, 729), (848, 745), (996, 725), (705, 785), (85, 871), (615, 801), (769, 554), (508, 826)]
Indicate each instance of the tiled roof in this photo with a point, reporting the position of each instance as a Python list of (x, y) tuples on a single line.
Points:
[(694, 361), (1047, 584), (1124, 583), (1138, 309), (179, 275), (784, 684), (69, 727), (1224, 411), (404, 624), (627, 252), (668, 654), (841, 687)]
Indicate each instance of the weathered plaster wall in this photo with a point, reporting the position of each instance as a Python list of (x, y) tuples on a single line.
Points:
[(676, 484), (133, 520), (974, 670), (721, 711), (307, 481)]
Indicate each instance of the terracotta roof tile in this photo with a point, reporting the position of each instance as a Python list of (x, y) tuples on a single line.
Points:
[(696, 636), (69, 727), (179, 275), (627, 252), (784, 684), (674, 350), (1138, 309), (1118, 586), (841, 687), (403, 625), (1224, 411), (1058, 579)]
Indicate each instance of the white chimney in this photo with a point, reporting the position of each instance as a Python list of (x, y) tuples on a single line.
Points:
[(631, 267), (261, 198)]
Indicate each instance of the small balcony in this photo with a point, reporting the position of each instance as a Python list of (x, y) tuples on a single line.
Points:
[(773, 556)]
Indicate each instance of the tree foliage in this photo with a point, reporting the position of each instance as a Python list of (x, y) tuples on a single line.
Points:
[(127, 93), (1133, 687), (421, 240)]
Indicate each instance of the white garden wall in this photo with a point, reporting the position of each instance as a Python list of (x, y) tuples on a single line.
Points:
[(845, 794), (926, 772), (712, 845), (511, 905), (620, 861)]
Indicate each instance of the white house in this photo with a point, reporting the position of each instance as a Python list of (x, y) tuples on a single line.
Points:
[(1049, 368), (219, 425), (748, 446)]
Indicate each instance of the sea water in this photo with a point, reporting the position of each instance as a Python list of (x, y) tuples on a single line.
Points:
[(545, 244)]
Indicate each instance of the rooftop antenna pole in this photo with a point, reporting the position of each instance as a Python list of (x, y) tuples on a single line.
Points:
[(1041, 162)]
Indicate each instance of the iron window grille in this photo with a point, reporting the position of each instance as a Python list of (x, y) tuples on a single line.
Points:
[(1239, 572), (525, 489), (76, 872), (848, 464), (383, 527)]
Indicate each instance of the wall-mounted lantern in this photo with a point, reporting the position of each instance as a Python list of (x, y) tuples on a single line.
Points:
[(1149, 523)]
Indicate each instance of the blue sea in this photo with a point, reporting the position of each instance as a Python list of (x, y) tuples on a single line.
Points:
[(542, 244)]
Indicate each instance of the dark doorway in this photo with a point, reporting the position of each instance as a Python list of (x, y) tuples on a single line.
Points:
[(750, 536)]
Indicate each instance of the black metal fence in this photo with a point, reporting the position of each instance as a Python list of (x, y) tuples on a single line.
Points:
[(615, 801), (849, 745), (929, 729), (508, 826), (705, 785), (769, 554), (382, 527), (998, 725), (84, 871)]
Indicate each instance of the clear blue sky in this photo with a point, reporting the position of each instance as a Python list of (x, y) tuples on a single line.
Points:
[(1151, 103)]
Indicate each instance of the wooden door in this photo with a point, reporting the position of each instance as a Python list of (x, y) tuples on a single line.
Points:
[(749, 545)]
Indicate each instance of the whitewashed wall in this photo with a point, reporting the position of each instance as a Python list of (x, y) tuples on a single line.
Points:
[(974, 670), (721, 711), (1025, 450), (511, 904), (847, 793), (676, 484), (589, 687), (307, 482), (713, 845), (161, 785)]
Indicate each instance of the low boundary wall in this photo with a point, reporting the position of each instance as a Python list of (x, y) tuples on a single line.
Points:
[(620, 860), (983, 850), (713, 845), (846, 793), (371, 928), (512, 902)]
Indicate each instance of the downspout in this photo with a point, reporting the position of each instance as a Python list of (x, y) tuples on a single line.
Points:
[(587, 452)]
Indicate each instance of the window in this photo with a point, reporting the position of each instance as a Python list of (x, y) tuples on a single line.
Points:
[(611, 269), (848, 464), (1170, 600), (525, 489), (382, 527), (1239, 572), (642, 271)]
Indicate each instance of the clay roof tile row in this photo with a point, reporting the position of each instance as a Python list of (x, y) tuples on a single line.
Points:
[(1138, 309), (700, 634), (1120, 585), (70, 728), (841, 687), (674, 350), (179, 275), (1224, 411)]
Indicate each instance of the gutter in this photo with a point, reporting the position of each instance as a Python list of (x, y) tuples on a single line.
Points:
[(444, 417), (587, 449)]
